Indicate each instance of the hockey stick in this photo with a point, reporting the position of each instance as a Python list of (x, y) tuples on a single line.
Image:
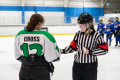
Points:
[(114, 37)]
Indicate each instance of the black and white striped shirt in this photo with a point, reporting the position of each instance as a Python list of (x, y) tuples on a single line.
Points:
[(93, 42)]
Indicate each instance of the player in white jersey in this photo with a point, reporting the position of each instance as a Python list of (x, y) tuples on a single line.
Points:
[(36, 50)]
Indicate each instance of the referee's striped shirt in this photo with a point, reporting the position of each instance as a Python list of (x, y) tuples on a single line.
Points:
[(93, 42)]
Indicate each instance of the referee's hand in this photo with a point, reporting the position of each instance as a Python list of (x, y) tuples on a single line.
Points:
[(86, 52)]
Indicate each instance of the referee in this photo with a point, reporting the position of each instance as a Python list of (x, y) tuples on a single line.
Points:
[(89, 44)]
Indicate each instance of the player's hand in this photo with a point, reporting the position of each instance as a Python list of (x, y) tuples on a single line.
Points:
[(86, 51), (119, 32), (61, 50), (115, 31), (102, 32)]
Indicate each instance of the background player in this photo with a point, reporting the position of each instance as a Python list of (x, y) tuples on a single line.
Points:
[(109, 32), (116, 25), (101, 28)]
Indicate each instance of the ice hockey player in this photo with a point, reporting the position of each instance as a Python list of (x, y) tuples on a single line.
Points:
[(109, 32), (116, 25), (36, 50), (101, 28)]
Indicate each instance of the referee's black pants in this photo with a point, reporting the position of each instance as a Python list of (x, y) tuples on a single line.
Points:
[(84, 71)]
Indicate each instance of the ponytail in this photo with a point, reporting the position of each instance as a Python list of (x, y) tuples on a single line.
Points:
[(92, 27), (34, 20)]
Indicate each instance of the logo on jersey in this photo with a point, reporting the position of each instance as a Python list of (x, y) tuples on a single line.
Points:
[(108, 29), (100, 29), (116, 26)]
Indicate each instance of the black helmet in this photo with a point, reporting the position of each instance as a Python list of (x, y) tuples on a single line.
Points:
[(100, 20), (85, 18), (116, 18), (109, 20)]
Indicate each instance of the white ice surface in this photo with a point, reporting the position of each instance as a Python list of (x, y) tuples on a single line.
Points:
[(108, 65)]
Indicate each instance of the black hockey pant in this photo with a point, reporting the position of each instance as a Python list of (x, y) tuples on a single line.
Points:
[(84, 71), (34, 73)]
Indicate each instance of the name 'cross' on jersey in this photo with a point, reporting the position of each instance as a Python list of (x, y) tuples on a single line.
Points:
[(31, 38)]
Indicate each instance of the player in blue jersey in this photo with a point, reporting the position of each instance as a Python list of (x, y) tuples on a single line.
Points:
[(117, 31), (101, 28), (109, 32)]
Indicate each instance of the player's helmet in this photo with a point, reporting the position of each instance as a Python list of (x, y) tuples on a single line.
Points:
[(109, 20), (116, 18), (85, 18), (100, 20)]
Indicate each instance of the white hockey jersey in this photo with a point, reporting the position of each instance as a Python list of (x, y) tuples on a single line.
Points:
[(39, 42)]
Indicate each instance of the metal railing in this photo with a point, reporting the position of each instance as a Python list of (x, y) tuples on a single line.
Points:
[(4, 21)]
